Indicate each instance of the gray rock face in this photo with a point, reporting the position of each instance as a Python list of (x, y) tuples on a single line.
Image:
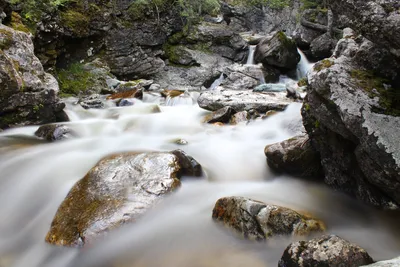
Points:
[(389, 263), (53, 132), (377, 20), (222, 115), (295, 156), (28, 94), (277, 50), (323, 46), (118, 190), (351, 119), (331, 251), (259, 221), (243, 100)]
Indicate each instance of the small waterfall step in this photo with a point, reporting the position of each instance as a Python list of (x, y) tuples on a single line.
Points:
[(250, 57), (303, 66)]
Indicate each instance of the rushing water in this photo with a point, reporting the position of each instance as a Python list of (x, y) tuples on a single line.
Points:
[(304, 65), (36, 176), (250, 56)]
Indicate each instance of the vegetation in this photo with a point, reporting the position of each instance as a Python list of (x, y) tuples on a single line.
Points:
[(323, 64), (74, 80), (302, 82), (275, 4)]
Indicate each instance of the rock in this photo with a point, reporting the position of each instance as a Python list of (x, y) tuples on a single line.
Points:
[(239, 117), (222, 115), (53, 132), (259, 221), (351, 115), (389, 263), (323, 46), (270, 87), (28, 94), (304, 36), (155, 87), (189, 166), (171, 93), (92, 101), (112, 83), (277, 51), (291, 91), (118, 190), (125, 103), (243, 100), (135, 93), (180, 55), (295, 156), (331, 251)]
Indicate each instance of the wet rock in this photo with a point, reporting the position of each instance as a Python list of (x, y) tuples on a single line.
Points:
[(295, 156), (222, 115), (304, 36), (389, 263), (28, 94), (135, 93), (125, 103), (189, 166), (172, 93), (323, 46), (239, 117), (277, 51), (53, 132), (93, 101), (291, 91), (259, 221), (155, 87), (331, 251), (243, 100), (118, 190)]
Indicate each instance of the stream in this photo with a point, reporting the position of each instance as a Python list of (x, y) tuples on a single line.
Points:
[(36, 176)]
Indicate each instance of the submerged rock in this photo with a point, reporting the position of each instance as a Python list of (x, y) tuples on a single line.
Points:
[(243, 100), (118, 190), (222, 115), (259, 221), (93, 101), (53, 132), (331, 251), (277, 51), (295, 156), (28, 94)]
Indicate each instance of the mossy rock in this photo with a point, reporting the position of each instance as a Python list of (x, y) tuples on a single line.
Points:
[(323, 64), (6, 39), (76, 22)]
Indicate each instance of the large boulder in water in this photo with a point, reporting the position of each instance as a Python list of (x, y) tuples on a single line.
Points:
[(243, 100), (352, 115), (118, 190), (277, 50), (259, 221), (295, 156), (331, 251), (28, 95)]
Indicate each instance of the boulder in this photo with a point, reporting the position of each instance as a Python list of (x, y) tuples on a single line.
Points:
[(239, 117), (53, 132), (93, 101), (331, 251), (295, 156), (304, 36), (323, 46), (243, 100), (28, 94), (351, 114), (389, 263), (256, 220), (222, 115), (189, 166), (135, 93), (118, 190), (277, 50)]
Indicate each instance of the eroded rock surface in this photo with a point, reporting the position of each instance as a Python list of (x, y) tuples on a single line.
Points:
[(331, 251), (256, 220)]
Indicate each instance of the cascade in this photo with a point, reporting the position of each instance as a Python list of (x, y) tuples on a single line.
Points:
[(217, 82), (303, 66), (250, 57)]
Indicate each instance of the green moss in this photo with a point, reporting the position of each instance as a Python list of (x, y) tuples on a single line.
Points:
[(306, 107), (76, 22), (323, 64), (389, 97), (316, 124), (75, 80), (302, 82), (17, 24), (6, 39), (37, 108)]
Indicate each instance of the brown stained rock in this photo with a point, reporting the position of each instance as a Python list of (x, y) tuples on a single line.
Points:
[(240, 117), (256, 220), (118, 190), (331, 251), (172, 93), (222, 115), (135, 93)]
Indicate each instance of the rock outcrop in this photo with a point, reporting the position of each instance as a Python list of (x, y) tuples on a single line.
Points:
[(295, 156), (118, 190), (351, 114), (331, 251), (256, 220), (28, 94)]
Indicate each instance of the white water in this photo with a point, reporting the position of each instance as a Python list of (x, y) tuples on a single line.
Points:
[(217, 82), (35, 177), (303, 66), (250, 57)]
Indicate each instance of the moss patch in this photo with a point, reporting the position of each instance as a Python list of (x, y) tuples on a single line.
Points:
[(76, 22), (302, 82), (6, 39), (323, 64), (389, 97), (75, 80)]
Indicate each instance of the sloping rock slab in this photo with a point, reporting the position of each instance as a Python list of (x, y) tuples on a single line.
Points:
[(259, 221), (119, 189), (243, 100), (331, 251)]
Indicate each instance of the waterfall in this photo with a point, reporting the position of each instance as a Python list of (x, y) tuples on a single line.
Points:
[(217, 82), (304, 65), (250, 57)]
